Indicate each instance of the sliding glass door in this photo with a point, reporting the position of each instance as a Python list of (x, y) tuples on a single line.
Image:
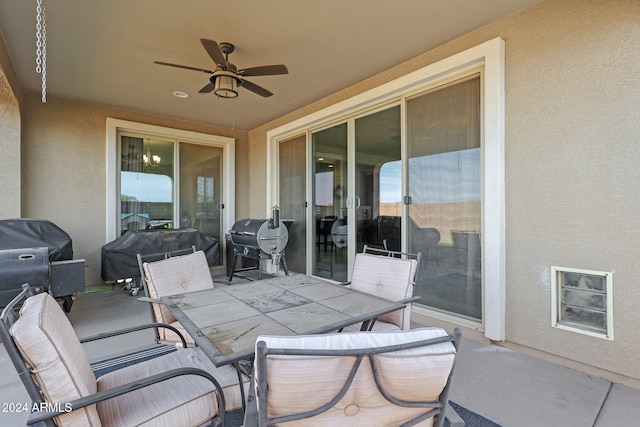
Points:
[(330, 190), (171, 184), (357, 195), (378, 180), (444, 186), (201, 189), (293, 201)]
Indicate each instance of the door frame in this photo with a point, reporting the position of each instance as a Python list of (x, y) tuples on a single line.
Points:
[(115, 126), (490, 57)]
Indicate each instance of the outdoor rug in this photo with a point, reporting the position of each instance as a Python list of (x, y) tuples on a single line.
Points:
[(235, 418)]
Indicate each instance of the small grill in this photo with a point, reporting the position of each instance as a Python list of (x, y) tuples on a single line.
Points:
[(259, 239), (40, 253)]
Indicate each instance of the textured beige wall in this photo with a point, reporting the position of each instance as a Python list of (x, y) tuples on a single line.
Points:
[(9, 138), (572, 126), (64, 157)]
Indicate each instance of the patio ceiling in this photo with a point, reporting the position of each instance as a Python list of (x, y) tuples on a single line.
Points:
[(103, 51)]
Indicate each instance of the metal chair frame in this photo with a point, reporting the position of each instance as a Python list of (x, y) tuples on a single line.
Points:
[(143, 279), (10, 315), (434, 409)]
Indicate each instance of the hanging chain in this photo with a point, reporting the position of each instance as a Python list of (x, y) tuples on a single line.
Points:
[(41, 45)]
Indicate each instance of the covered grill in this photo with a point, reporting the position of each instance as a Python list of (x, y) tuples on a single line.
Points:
[(259, 239), (40, 253)]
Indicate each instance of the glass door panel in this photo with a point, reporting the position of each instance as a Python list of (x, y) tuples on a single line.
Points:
[(378, 180), (444, 184), (329, 195), (146, 184), (201, 189), (292, 191)]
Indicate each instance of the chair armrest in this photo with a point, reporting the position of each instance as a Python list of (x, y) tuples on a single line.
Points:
[(133, 329), (412, 299), (37, 417)]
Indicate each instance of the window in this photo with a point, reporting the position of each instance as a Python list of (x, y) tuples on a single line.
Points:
[(146, 184), (160, 177), (582, 301)]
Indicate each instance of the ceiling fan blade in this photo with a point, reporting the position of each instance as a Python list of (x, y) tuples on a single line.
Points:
[(213, 49), (255, 88), (186, 67), (265, 70), (207, 88)]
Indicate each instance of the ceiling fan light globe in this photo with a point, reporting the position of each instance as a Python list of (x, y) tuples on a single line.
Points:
[(226, 87)]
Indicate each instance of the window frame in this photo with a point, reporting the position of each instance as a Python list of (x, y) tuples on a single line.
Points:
[(116, 126)]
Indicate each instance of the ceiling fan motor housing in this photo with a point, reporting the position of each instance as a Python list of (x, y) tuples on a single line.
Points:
[(225, 83)]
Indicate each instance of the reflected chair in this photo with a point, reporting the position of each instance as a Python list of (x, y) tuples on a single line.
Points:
[(467, 249), (170, 276), (183, 388), (390, 275), (364, 379)]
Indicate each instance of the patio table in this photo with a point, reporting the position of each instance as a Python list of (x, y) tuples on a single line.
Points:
[(226, 321)]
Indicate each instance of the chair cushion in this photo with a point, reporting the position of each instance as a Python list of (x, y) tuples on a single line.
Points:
[(301, 383), (386, 277), (176, 275), (181, 401), (50, 347)]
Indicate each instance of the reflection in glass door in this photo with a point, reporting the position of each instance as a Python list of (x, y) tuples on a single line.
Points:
[(292, 192), (378, 180), (146, 184), (444, 185), (329, 203), (201, 189)]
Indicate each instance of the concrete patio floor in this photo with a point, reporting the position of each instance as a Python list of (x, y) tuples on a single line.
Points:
[(510, 388)]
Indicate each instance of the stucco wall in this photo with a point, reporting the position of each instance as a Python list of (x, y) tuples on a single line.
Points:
[(10, 138), (64, 157), (572, 119)]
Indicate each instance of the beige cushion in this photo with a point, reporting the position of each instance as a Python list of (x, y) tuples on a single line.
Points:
[(50, 347), (59, 364), (301, 383), (163, 404), (386, 277), (176, 275)]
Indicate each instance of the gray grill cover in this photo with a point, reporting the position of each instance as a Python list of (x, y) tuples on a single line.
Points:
[(36, 233), (119, 256)]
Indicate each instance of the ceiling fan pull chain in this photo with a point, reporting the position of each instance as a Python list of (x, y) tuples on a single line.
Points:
[(39, 37), (41, 45)]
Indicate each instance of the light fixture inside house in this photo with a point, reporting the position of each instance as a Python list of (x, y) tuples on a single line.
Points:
[(225, 85), (149, 159), (180, 94)]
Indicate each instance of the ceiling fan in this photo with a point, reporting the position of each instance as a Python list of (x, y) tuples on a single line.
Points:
[(226, 78)]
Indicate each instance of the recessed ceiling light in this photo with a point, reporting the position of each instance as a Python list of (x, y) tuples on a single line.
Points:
[(180, 94)]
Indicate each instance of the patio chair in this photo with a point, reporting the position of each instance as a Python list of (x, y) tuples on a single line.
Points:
[(170, 276), (159, 256), (364, 379), (391, 276), (183, 388)]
